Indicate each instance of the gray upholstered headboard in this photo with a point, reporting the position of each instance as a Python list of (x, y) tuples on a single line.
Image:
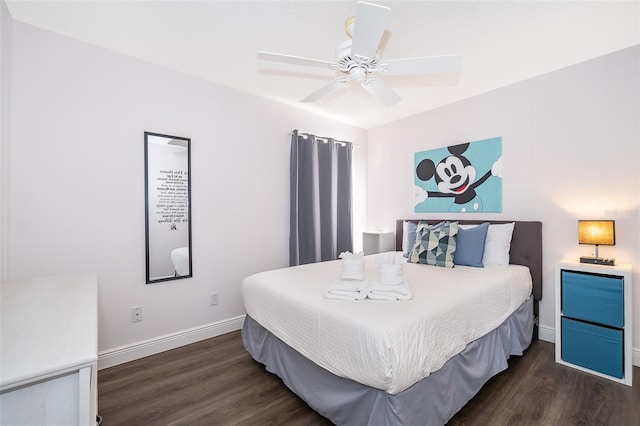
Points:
[(526, 246)]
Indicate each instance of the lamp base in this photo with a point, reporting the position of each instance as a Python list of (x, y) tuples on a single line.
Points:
[(597, 260)]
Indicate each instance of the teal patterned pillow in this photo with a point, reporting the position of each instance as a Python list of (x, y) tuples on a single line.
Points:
[(436, 246)]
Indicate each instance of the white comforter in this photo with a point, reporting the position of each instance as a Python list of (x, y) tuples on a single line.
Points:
[(388, 345)]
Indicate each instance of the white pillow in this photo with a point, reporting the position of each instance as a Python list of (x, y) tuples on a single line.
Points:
[(497, 244)]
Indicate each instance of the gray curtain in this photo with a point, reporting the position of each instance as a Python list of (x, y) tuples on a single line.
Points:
[(321, 225)]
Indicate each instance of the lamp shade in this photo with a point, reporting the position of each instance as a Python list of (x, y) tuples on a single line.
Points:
[(599, 232)]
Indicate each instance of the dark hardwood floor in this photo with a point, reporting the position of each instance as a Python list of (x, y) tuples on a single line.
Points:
[(216, 382)]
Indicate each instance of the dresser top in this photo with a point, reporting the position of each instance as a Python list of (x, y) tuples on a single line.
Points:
[(48, 326)]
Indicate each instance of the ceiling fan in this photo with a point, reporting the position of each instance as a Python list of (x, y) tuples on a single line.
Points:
[(358, 58)]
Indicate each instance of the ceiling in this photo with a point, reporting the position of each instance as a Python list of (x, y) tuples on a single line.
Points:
[(501, 43)]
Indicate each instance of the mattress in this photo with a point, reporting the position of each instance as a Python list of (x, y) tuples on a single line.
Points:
[(387, 345)]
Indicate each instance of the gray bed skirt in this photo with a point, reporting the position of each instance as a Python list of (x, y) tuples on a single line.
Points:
[(431, 401)]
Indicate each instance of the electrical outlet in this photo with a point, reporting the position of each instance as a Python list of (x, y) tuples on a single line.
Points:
[(213, 300), (136, 313)]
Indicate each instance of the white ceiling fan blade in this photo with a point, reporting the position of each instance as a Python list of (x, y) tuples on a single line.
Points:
[(381, 91), (368, 29), (423, 65), (324, 90), (296, 60)]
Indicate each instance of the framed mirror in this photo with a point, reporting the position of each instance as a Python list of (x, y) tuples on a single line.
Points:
[(167, 164)]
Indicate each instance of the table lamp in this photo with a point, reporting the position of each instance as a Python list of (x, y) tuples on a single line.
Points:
[(597, 232)]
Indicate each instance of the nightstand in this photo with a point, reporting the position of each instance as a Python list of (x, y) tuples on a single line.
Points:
[(378, 242), (594, 319)]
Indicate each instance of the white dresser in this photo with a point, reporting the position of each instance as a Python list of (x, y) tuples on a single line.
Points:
[(49, 351)]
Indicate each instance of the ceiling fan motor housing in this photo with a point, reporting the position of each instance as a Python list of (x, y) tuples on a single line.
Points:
[(356, 66), (343, 51)]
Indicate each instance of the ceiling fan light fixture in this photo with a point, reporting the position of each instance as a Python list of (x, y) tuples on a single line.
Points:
[(357, 73)]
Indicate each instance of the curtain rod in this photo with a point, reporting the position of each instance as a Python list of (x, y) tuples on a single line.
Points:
[(324, 138)]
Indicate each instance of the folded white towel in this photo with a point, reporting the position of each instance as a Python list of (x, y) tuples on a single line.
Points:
[(391, 274), (347, 290), (390, 267), (352, 266), (380, 291)]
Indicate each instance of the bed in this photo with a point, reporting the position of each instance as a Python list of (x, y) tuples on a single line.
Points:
[(393, 363)]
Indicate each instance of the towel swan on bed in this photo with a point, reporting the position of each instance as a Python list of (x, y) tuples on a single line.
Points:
[(391, 284), (352, 266), (353, 285)]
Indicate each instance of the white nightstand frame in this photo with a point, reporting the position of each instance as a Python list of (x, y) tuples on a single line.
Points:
[(378, 242), (623, 271)]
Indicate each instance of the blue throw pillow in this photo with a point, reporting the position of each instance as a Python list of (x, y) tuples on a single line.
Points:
[(410, 239), (470, 246)]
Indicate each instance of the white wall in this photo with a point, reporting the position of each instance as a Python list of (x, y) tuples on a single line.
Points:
[(76, 192), (6, 29), (571, 150)]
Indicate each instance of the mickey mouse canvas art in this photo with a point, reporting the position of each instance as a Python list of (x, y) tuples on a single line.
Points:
[(464, 178)]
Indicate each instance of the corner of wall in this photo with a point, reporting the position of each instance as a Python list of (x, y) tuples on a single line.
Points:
[(6, 30)]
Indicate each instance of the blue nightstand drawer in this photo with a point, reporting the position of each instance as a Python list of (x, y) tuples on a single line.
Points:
[(593, 347), (593, 298)]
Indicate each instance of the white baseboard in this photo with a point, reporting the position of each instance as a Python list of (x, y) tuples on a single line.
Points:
[(116, 356), (548, 334)]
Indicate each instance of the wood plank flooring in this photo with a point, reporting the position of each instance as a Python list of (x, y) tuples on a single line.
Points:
[(216, 382)]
